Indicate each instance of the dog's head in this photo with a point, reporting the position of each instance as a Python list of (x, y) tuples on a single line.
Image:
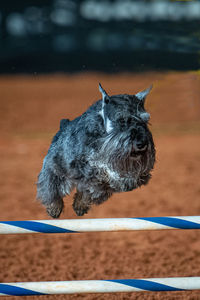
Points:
[(127, 145), (126, 119)]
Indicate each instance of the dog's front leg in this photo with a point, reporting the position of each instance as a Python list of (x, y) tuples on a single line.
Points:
[(82, 203)]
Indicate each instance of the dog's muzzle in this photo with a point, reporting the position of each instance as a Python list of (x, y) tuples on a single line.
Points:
[(140, 140)]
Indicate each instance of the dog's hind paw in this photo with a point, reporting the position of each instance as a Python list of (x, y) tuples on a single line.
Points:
[(55, 208)]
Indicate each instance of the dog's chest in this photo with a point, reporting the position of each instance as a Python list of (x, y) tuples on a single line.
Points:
[(104, 172)]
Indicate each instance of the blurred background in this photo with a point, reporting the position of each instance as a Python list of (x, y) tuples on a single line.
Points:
[(65, 35), (53, 54)]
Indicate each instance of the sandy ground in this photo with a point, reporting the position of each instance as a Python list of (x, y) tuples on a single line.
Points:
[(30, 110)]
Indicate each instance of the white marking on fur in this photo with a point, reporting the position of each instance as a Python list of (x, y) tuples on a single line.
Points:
[(145, 116), (106, 170), (104, 94), (112, 174), (101, 113), (102, 110), (109, 126), (107, 122)]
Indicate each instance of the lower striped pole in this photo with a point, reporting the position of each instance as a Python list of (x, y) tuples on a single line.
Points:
[(100, 286)]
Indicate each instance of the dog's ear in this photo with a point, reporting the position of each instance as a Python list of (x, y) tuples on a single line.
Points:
[(105, 100), (142, 95), (105, 97)]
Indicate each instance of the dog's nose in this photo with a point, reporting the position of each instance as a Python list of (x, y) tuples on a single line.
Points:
[(139, 139), (141, 142)]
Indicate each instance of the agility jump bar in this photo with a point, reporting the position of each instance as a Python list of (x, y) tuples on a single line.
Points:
[(100, 286), (95, 225)]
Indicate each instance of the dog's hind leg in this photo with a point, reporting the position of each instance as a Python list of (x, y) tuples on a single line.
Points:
[(48, 192), (55, 208)]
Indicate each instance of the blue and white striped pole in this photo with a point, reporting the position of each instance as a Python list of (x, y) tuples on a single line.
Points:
[(100, 286), (107, 224)]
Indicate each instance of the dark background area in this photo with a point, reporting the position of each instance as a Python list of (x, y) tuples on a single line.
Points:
[(63, 35)]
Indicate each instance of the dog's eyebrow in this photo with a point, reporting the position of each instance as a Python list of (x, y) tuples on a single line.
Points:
[(139, 119)]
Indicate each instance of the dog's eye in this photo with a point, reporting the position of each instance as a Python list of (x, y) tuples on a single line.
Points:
[(107, 100), (129, 121), (121, 121)]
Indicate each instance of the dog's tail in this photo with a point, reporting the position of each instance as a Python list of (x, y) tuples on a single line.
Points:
[(64, 123)]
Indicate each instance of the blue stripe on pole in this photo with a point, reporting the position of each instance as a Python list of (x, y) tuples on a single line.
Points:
[(173, 222), (37, 226), (16, 291), (146, 285)]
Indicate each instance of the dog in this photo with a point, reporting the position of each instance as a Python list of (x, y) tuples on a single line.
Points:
[(108, 149)]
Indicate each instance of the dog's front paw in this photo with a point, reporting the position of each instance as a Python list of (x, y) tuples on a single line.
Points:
[(80, 208), (81, 204)]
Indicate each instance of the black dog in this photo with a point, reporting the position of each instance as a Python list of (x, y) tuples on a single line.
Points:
[(107, 149)]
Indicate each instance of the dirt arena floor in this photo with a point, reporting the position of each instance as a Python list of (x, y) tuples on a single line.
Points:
[(30, 110)]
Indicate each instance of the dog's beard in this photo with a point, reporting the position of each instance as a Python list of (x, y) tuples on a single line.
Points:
[(118, 153)]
